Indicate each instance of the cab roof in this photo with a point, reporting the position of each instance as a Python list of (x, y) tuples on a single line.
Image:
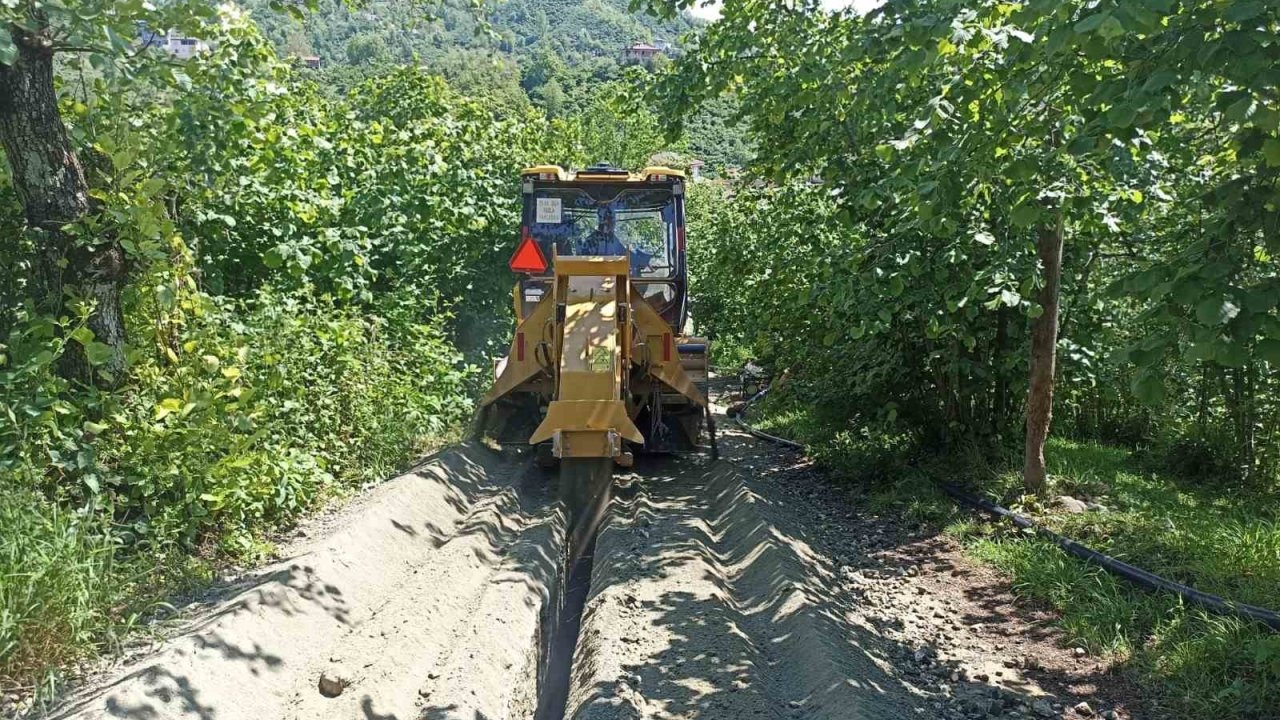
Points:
[(601, 173)]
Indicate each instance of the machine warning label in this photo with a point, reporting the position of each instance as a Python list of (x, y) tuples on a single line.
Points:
[(548, 210), (601, 360)]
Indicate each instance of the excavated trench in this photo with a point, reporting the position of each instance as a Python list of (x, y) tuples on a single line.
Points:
[(563, 616)]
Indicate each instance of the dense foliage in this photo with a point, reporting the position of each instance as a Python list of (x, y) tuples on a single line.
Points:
[(914, 165), (305, 276), (945, 137), (563, 57)]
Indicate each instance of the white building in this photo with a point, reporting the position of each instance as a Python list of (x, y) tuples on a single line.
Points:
[(176, 44)]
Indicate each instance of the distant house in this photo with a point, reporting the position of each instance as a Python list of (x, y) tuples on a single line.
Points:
[(640, 53), (176, 44), (311, 62), (695, 170)]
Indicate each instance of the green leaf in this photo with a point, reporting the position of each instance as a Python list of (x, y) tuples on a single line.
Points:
[(1216, 311), (1091, 23), (1271, 151), (896, 286), (1025, 215), (884, 152), (1201, 351), (82, 335), (1111, 28), (1149, 388), (1231, 354), (1122, 116), (1269, 350), (8, 51), (1240, 12), (98, 353)]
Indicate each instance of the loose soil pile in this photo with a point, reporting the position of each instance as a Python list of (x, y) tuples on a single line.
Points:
[(758, 588), (425, 600)]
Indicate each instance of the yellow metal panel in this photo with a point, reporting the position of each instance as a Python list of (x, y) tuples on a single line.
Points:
[(603, 265), (588, 386), (660, 170), (586, 444), (540, 169), (587, 415), (518, 372), (654, 328)]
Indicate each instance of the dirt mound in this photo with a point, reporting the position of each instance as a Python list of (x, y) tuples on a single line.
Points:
[(701, 608), (426, 601)]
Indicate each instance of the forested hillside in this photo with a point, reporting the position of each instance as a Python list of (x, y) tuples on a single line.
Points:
[(562, 57), (340, 33)]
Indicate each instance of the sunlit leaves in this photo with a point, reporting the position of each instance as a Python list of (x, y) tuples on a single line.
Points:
[(1216, 311)]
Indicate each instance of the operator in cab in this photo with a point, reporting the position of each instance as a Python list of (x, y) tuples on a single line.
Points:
[(604, 241)]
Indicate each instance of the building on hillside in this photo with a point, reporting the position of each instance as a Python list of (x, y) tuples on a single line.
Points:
[(310, 62), (173, 42), (640, 53), (695, 170)]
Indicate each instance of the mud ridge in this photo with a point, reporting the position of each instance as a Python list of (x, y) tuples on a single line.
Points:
[(428, 601), (701, 608)]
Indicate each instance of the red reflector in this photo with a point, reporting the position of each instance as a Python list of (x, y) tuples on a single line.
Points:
[(666, 347), (520, 347), (680, 238), (528, 258)]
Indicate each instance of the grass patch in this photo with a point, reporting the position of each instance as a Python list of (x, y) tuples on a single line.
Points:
[(111, 502), (1222, 542)]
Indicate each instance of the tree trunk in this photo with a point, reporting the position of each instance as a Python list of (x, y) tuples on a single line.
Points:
[(1002, 381), (50, 183), (1044, 357)]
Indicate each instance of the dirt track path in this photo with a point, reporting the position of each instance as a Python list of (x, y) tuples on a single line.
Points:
[(751, 587), (755, 588)]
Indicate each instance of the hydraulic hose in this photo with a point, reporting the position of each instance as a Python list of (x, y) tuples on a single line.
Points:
[(1133, 574)]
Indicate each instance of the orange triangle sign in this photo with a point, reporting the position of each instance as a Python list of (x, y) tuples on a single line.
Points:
[(528, 258)]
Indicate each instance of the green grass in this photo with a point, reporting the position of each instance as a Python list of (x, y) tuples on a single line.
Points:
[(109, 503), (1220, 540), (55, 586)]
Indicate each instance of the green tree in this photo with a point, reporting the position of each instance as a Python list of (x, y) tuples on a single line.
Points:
[(75, 259), (1023, 140), (367, 48)]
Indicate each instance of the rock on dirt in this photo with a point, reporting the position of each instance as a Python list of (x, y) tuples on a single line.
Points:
[(1072, 505), (332, 684)]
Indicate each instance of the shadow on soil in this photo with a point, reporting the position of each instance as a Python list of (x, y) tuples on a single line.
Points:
[(783, 634)]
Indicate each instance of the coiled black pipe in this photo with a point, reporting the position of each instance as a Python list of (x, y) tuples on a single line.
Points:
[(1133, 574)]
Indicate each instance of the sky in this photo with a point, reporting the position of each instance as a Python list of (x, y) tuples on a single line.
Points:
[(712, 11)]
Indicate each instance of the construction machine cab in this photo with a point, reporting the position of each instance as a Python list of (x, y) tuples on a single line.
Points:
[(603, 211)]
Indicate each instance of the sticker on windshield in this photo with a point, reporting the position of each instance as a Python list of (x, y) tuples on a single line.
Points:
[(548, 210)]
